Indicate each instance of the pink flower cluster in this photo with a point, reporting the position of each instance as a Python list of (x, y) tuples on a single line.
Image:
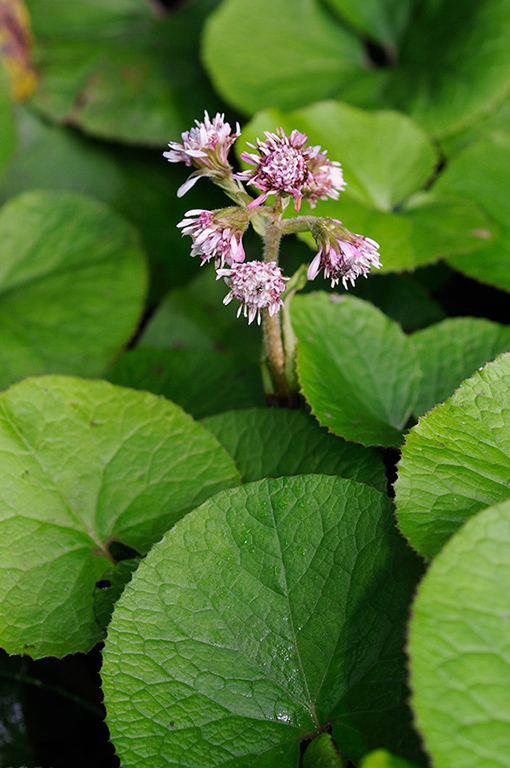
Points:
[(216, 235), (285, 165), (256, 285), (343, 255), (206, 147)]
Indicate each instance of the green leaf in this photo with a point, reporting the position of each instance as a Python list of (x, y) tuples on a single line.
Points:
[(385, 156), (478, 174), (227, 648), (452, 64), (274, 443), (85, 464), (383, 759), (7, 127), (356, 368), (381, 199), (456, 461), (72, 285), (381, 20), (202, 382), (459, 646), (322, 753), (120, 70), (296, 54), (451, 351)]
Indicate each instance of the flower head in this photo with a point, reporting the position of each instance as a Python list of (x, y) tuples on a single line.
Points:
[(256, 285), (285, 165), (216, 234), (343, 254), (206, 147)]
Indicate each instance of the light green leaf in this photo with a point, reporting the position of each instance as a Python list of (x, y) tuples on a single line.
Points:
[(456, 461), (72, 285), (385, 155), (85, 464), (295, 56), (275, 442), (202, 382), (459, 646), (453, 64), (227, 648), (356, 368), (7, 127), (451, 351)]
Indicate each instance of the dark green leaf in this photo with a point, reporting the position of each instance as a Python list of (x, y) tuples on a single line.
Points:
[(203, 382), (274, 443), (266, 612)]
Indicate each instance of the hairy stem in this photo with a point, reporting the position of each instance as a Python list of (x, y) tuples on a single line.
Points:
[(272, 324)]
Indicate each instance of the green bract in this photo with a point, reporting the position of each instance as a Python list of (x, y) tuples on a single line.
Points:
[(255, 621), (459, 646), (85, 464)]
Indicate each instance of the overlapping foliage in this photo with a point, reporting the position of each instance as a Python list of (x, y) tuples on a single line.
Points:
[(269, 589)]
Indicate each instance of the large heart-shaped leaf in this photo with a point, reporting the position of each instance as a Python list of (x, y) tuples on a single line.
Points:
[(84, 464), (273, 442), (459, 646), (451, 351), (456, 461), (357, 369), (305, 57), (265, 613), (51, 156), (72, 285)]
